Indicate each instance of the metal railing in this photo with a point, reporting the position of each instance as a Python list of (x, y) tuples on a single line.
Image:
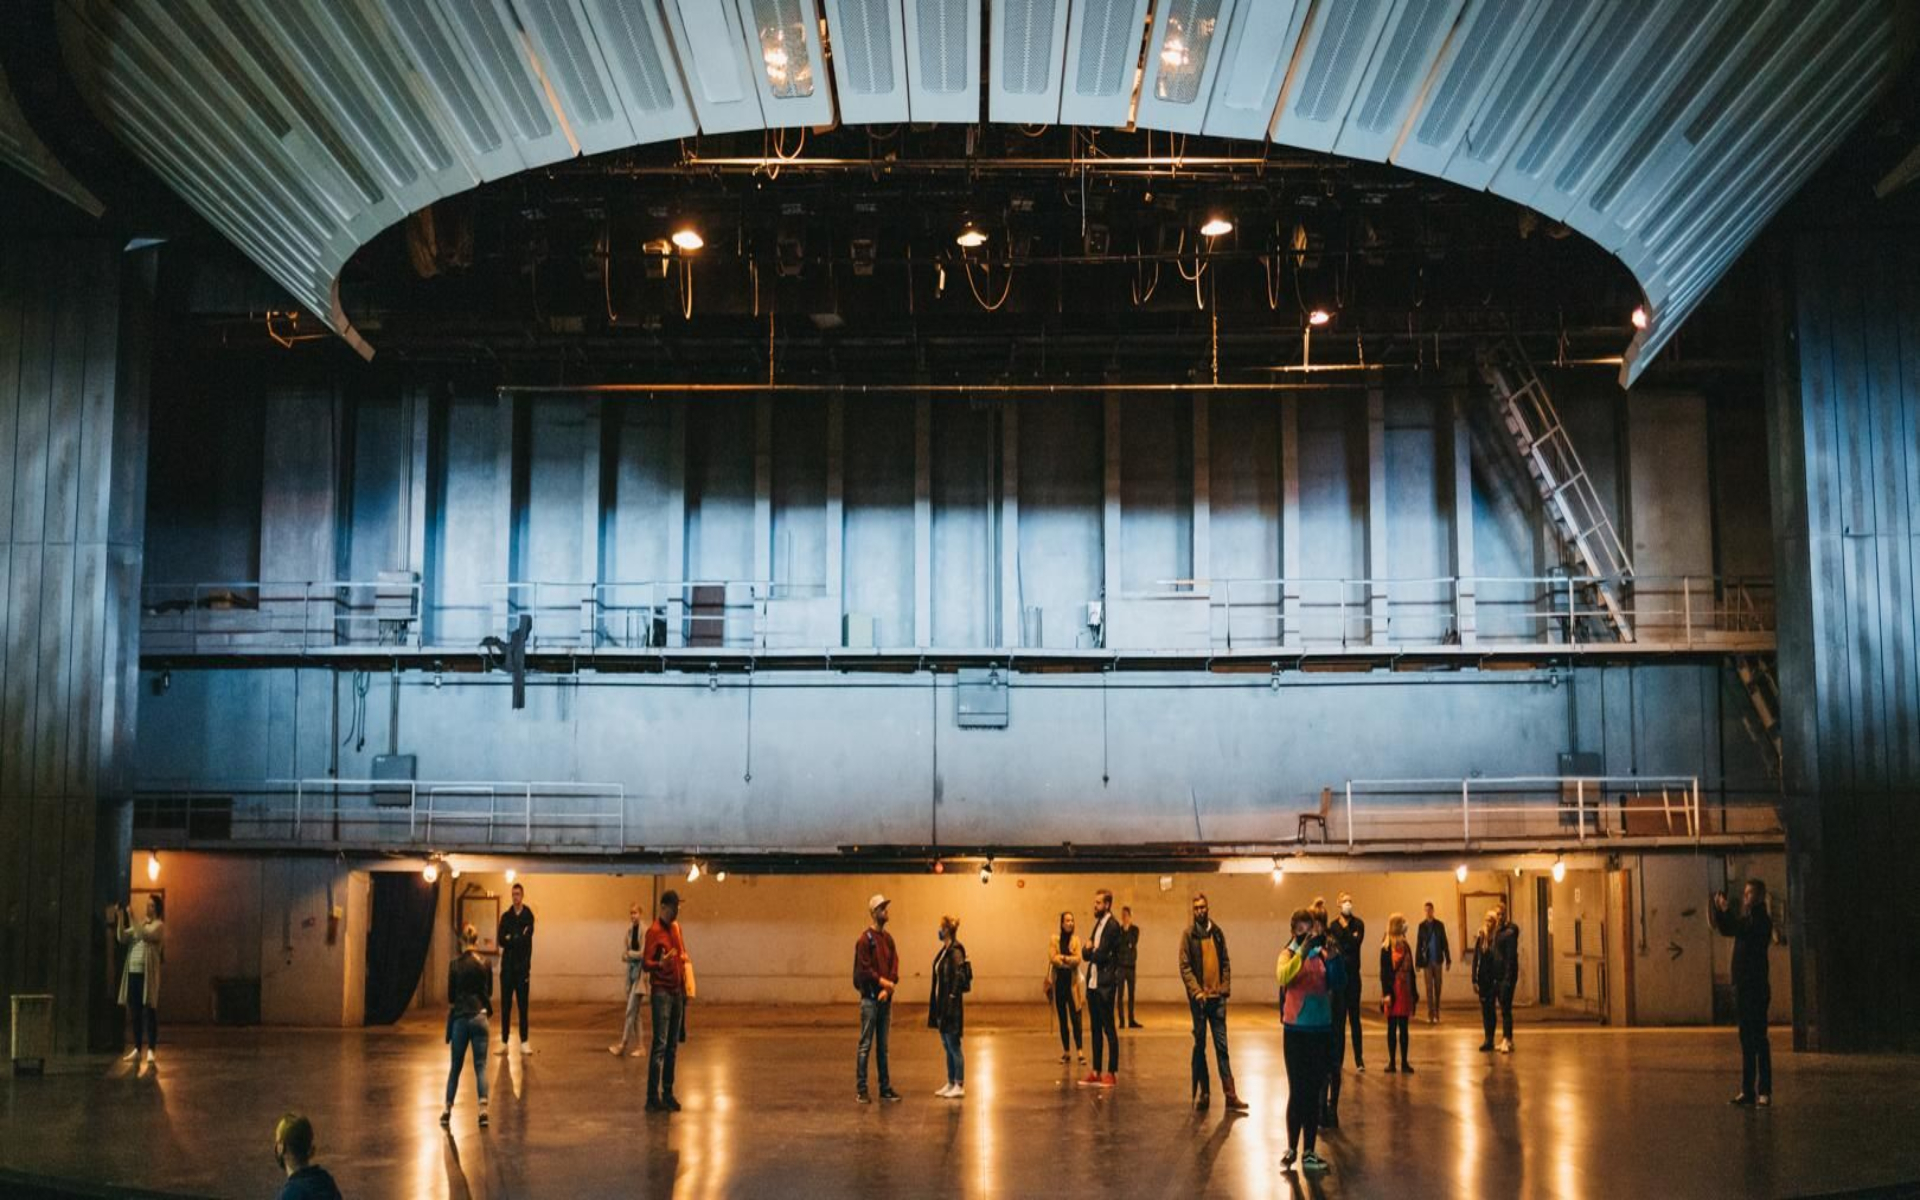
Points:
[(658, 613), (426, 814), (1574, 809), (1671, 611), (279, 615)]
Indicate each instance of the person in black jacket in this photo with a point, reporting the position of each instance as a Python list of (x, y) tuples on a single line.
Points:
[(1129, 965), (515, 939), (947, 1004), (1207, 973), (1434, 958), (1351, 933), (1102, 954), (1752, 932), (293, 1150), (469, 1004)]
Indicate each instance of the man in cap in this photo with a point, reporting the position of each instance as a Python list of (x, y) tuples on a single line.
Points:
[(876, 974)]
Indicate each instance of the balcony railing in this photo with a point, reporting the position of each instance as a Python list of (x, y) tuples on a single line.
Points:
[(264, 616), (473, 815), (1579, 810)]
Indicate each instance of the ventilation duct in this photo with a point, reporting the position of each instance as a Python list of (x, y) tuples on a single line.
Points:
[(869, 60), (943, 60), (1024, 62), (1102, 61), (1253, 66), (1181, 63)]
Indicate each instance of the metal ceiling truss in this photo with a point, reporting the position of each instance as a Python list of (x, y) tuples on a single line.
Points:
[(1667, 131)]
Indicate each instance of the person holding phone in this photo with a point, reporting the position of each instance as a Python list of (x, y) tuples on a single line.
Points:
[(664, 952), (145, 940), (1309, 978), (1752, 932)]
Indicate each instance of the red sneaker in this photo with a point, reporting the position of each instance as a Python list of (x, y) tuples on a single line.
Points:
[(1107, 1080), (1092, 1080)]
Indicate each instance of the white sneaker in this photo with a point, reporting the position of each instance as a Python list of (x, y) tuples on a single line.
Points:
[(945, 1092), (957, 1092), (637, 1052), (502, 1050), (616, 1051), (1506, 1045), (526, 1048), (149, 1058), (130, 1055)]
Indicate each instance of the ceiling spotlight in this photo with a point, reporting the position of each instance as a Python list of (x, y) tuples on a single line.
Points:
[(511, 874), (153, 867), (687, 238), (939, 868), (1460, 872), (1279, 872), (1639, 316), (719, 876), (431, 871), (1559, 871), (971, 236), (1318, 316), (1216, 226), (693, 872)]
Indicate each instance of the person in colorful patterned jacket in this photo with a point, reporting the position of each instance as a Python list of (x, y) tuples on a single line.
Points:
[(1309, 979)]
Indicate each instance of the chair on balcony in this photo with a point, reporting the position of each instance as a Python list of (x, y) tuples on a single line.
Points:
[(1326, 806)]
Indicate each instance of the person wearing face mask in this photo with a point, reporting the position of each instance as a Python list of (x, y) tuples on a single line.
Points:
[(293, 1150), (631, 955), (1337, 1038), (876, 974), (1351, 932), (1309, 976), (1208, 976), (946, 1004)]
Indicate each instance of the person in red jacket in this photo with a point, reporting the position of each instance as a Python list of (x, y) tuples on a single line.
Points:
[(664, 955), (876, 976), (1399, 992)]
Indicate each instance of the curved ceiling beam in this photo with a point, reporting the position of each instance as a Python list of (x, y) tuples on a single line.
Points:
[(1667, 131)]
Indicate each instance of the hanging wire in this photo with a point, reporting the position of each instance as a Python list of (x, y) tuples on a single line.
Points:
[(686, 288), (1006, 288), (1140, 297)]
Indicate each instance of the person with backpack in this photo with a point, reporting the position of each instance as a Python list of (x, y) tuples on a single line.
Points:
[(947, 1002), (876, 976), (1309, 979)]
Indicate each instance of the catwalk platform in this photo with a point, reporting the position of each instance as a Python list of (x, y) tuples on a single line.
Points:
[(1576, 1111)]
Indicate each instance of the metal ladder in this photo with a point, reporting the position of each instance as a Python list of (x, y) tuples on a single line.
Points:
[(1763, 691), (1587, 536)]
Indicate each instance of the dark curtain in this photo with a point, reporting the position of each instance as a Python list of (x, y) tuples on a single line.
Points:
[(401, 932)]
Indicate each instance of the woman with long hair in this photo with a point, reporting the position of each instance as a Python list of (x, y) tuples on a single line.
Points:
[(1399, 994), (1064, 984), (946, 1005), (1309, 979), (145, 941), (469, 1004)]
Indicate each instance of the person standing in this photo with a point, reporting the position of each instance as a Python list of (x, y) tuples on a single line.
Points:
[(515, 939), (1309, 978), (469, 1004), (1434, 957), (1752, 932), (665, 954), (1507, 942), (1102, 954), (631, 955), (1208, 975), (293, 1150), (1351, 933), (1129, 963), (145, 941), (1064, 986), (1486, 975), (947, 1003), (876, 975), (1399, 994)]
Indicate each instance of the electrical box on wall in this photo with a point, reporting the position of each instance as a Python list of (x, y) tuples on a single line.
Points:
[(396, 767), (980, 699)]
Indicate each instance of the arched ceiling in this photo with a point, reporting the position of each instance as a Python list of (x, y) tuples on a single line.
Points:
[(1667, 131)]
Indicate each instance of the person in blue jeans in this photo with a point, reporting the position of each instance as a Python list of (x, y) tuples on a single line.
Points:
[(469, 1004), (947, 1002), (876, 975)]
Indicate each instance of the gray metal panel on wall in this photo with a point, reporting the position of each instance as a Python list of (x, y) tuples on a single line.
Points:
[(869, 60), (1103, 47), (1254, 63), (1396, 77), (1025, 61), (943, 59)]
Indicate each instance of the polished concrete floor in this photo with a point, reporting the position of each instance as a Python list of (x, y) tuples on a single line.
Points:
[(1576, 1111)]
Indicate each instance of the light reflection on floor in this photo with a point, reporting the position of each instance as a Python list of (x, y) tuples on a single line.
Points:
[(770, 1112)]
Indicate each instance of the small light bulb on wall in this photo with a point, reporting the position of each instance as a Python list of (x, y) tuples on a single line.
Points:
[(153, 867), (430, 872), (511, 876), (693, 872), (1318, 317), (1279, 873), (719, 876), (1460, 872), (1639, 316), (1559, 871)]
